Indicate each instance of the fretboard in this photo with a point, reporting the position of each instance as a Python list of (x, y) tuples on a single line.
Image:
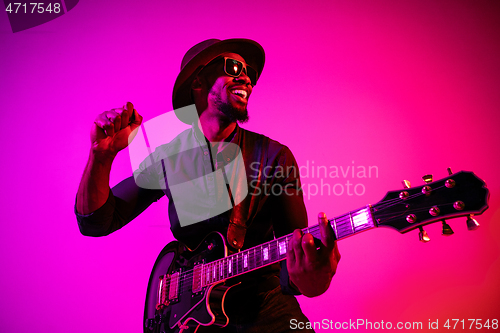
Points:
[(274, 251)]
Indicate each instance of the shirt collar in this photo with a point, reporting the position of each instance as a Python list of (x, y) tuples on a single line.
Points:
[(229, 149)]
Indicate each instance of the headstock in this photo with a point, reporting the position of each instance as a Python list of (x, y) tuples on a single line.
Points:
[(459, 194)]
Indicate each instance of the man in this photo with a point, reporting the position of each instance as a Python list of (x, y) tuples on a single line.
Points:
[(217, 77)]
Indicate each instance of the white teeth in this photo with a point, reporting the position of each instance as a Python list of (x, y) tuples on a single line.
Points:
[(239, 92)]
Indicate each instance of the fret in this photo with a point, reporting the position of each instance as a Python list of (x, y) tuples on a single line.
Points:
[(273, 251), (258, 256), (207, 274), (217, 264), (239, 263), (253, 259), (350, 220), (224, 268), (234, 265), (335, 229), (244, 261), (276, 250), (227, 268)]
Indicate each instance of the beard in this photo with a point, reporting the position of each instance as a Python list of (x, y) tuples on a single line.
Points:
[(233, 114)]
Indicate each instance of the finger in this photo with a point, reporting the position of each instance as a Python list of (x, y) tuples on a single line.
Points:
[(114, 118), (290, 253), (104, 123), (327, 234), (129, 107), (117, 123), (296, 246), (125, 115), (309, 248), (136, 120)]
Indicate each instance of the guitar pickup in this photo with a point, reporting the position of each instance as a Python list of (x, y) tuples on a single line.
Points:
[(197, 278), (173, 288)]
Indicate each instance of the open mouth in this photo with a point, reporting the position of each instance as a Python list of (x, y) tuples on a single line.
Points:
[(240, 93)]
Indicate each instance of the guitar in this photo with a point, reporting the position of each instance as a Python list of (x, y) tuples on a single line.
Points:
[(187, 287)]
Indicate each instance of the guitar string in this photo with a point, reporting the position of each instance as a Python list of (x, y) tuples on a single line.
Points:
[(343, 223), (392, 202), (383, 206), (273, 245), (397, 200)]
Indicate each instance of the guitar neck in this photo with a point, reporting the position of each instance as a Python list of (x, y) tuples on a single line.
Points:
[(274, 251)]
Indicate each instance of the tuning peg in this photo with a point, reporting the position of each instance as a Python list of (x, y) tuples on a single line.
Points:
[(406, 183), (427, 178), (472, 223), (449, 171), (447, 231), (422, 235)]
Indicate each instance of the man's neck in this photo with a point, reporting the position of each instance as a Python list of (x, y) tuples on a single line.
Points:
[(214, 128)]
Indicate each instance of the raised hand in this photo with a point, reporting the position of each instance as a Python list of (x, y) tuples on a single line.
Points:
[(311, 268), (111, 130), (110, 134)]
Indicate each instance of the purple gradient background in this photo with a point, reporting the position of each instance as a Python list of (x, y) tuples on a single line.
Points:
[(409, 87)]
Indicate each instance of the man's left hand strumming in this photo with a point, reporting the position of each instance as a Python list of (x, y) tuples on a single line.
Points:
[(310, 268)]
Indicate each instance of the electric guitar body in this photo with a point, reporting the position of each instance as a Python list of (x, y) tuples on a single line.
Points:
[(187, 287), (189, 304)]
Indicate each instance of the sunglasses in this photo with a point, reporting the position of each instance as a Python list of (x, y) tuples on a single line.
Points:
[(233, 67)]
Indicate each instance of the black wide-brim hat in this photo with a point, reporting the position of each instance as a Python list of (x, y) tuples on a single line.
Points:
[(198, 57)]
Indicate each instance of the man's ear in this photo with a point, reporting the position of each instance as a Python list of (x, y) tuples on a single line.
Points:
[(196, 89), (196, 84)]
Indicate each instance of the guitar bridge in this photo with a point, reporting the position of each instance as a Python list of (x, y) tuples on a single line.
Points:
[(163, 288), (168, 290)]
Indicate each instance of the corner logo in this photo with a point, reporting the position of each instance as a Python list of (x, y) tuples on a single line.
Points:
[(168, 154), (26, 15)]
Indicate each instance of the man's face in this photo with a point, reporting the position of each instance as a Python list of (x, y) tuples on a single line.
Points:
[(228, 94)]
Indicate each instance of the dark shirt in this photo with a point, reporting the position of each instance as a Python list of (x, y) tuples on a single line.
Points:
[(249, 178)]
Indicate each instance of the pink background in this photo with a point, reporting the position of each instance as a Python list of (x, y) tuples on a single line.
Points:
[(408, 86)]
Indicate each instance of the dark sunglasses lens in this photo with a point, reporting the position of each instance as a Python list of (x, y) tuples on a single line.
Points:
[(252, 74), (233, 67)]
